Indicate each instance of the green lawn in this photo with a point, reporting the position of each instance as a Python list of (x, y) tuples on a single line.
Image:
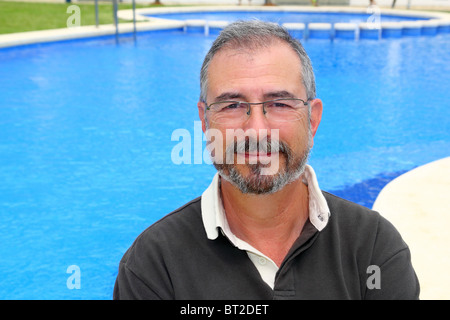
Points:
[(29, 16)]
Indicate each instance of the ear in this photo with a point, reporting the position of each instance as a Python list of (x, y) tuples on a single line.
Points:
[(201, 113), (316, 116)]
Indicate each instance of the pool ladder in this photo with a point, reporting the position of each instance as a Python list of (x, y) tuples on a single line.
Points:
[(116, 19)]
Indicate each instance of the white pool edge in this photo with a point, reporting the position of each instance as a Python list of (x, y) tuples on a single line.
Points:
[(417, 204), (53, 35)]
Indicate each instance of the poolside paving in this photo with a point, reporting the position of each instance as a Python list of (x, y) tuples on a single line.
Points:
[(417, 203)]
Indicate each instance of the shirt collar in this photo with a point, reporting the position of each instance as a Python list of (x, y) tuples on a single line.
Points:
[(213, 212)]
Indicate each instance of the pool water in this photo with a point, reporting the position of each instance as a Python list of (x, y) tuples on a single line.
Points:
[(85, 142), (282, 17)]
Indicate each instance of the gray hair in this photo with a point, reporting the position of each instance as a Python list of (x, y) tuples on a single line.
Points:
[(254, 34)]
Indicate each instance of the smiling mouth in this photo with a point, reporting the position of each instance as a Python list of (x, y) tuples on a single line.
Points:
[(254, 154), (257, 155)]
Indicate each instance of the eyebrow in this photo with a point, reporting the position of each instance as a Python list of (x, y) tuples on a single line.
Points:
[(279, 94), (229, 96), (267, 96)]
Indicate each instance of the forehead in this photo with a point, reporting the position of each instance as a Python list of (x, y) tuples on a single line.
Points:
[(255, 70)]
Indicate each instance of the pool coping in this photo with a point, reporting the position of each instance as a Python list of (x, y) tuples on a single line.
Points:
[(53, 35), (417, 204), (127, 14), (155, 23)]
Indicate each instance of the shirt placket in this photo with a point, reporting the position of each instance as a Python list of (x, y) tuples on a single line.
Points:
[(285, 280)]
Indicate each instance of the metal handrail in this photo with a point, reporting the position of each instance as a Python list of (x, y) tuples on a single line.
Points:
[(134, 20), (96, 13), (116, 20)]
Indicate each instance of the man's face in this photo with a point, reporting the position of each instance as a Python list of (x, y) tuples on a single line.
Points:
[(259, 75)]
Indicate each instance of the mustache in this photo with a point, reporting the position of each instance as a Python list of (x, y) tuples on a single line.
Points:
[(250, 144)]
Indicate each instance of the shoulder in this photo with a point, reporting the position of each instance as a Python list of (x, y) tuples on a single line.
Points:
[(178, 227), (180, 221), (347, 213), (369, 240), (144, 268), (362, 225), (347, 210)]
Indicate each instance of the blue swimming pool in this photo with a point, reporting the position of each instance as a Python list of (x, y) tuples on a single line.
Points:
[(283, 17), (85, 142)]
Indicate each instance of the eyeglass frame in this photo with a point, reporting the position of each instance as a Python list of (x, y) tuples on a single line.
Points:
[(249, 104)]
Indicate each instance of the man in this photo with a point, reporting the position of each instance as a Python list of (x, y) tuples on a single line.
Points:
[(265, 231)]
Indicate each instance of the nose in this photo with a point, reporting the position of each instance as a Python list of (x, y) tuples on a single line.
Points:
[(256, 119)]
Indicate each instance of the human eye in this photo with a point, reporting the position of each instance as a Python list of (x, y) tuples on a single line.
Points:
[(228, 106), (231, 105), (280, 104)]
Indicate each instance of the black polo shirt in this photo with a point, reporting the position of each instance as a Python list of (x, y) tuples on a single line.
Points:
[(174, 259)]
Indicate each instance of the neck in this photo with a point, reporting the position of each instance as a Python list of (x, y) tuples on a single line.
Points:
[(270, 223)]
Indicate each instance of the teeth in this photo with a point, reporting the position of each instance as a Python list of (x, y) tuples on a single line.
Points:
[(258, 154)]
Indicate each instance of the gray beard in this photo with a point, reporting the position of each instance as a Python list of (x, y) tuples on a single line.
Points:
[(259, 184)]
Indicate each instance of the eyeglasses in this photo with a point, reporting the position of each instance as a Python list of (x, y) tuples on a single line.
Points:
[(237, 112)]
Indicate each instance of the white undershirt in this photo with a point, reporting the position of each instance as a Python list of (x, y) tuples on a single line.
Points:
[(214, 219)]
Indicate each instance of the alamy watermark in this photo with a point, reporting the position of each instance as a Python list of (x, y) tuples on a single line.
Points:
[(374, 280), (237, 147), (74, 20), (374, 20), (74, 280)]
